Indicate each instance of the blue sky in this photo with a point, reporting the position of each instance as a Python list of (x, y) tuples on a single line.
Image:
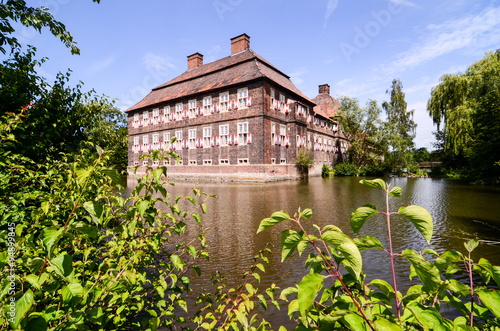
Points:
[(355, 46)]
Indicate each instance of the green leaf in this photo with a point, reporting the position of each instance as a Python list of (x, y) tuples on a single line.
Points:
[(374, 183), (493, 271), (355, 322), (383, 286), (307, 213), (85, 228), (275, 218), (426, 271), (115, 177), (352, 257), (446, 258), (491, 299), (471, 245), (63, 264), (203, 207), (383, 324), (196, 217), (396, 192), (142, 206), (83, 174), (95, 210), (23, 305), (309, 288), (360, 215), (428, 317), (421, 218), (368, 242), (72, 293), (50, 237), (286, 292), (289, 241)]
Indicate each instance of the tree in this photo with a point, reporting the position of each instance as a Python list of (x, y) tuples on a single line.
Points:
[(400, 127), (37, 18), (467, 106), (421, 155), (60, 118), (362, 127)]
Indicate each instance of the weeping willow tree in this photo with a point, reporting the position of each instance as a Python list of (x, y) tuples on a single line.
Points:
[(467, 109)]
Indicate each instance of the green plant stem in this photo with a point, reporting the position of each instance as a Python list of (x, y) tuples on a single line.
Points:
[(468, 267), (388, 216)]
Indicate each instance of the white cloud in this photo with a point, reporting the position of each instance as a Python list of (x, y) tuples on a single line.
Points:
[(472, 31), (157, 62), (330, 8), (98, 67), (296, 76), (405, 3)]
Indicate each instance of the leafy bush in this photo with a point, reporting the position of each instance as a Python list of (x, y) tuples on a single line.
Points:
[(351, 303), (305, 160), (345, 169), (325, 171), (373, 170)]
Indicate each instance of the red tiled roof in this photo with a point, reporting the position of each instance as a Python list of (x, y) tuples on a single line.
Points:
[(231, 70), (326, 105)]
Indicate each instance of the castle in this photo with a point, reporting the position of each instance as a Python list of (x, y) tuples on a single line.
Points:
[(236, 118)]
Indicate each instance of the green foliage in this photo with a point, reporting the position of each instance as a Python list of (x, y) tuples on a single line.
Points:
[(305, 160), (351, 303), (345, 169), (363, 128), (399, 128), (466, 105), (17, 11), (59, 118), (325, 171), (378, 169)]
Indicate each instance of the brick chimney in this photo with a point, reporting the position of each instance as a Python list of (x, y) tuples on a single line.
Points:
[(195, 61), (240, 43), (325, 88)]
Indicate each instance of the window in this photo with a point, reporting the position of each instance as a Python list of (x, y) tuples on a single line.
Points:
[(135, 149), (242, 133), (156, 115), (192, 138), (178, 111), (282, 101), (283, 161), (192, 108), (273, 96), (156, 141), (224, 133), (282, 134), (166, 139), (136, 163), (223, 100), (207, 103), (156, 163), (273, 134), (178, 162), (145, 140), (207, 134), (166, 110), (145, 115), (242, 161), (207, 162), (136, 118), (243, 98), (145, 162), (166, 162), (178, 143), (192, 162), (273, 161), (224, 161)]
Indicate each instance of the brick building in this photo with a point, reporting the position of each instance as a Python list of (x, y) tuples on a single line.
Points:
[(235, 118)]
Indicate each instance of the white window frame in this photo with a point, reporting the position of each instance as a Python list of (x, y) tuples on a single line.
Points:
[(273, 160), (145, 140), (223, 161), (282, 161), (136, 141), (283, 134), (243, 97), (273, 95), (156, 139), (207, 162), (192, 162), (178, 111), (156, 115), (136, 117), (224, 134), (273, 133), (166, 162), (145, 163), (282, 102), (192, 138), (207, 134), (166, 138), (166, 110), (192, 108), (178, 143), (243, 161), (136, 163), (242, 132), (145, 115), (224, 101), (207, 102)]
